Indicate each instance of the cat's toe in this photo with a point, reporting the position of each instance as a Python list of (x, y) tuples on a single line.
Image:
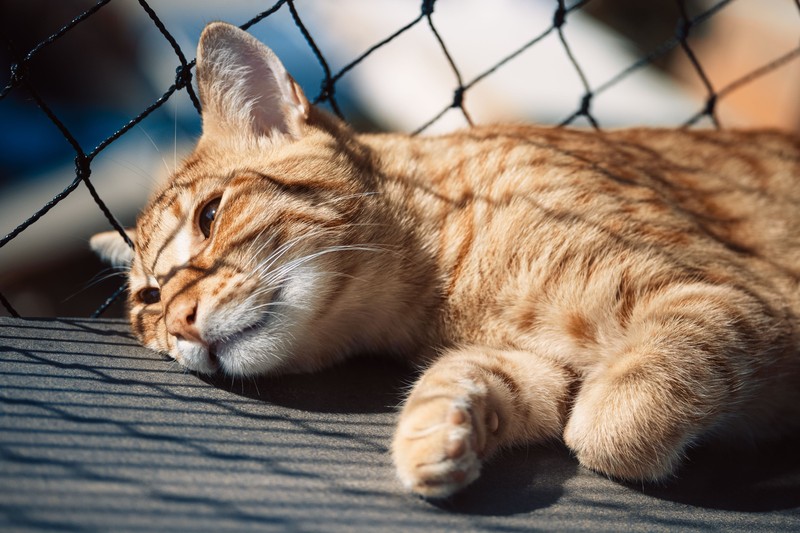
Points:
[(437, 449)]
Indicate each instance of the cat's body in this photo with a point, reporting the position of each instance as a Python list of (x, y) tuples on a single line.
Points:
[(630, 291)]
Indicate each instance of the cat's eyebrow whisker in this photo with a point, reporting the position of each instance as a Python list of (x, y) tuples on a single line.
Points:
[(175, 137), (138, 170), (161, 155)]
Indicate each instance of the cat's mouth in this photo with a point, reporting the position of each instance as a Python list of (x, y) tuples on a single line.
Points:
[(218, 348), (213, 360)]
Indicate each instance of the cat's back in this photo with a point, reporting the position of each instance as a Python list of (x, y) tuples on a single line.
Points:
[(521, 213), (736, 191), (683, 190)]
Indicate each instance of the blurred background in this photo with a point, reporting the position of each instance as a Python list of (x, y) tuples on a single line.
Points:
[(109, 68)]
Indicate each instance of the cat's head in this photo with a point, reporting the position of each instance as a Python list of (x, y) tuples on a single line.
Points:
[(242, 258)]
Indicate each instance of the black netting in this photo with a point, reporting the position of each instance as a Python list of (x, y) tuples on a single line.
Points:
[(688, 18)]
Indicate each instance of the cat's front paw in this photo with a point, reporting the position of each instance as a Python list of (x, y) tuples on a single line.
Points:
[(440, 443)]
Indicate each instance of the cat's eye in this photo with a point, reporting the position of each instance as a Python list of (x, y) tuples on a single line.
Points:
[(149, 295), (207, 215)]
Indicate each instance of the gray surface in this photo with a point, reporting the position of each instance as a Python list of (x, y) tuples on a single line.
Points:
[(97, 433)]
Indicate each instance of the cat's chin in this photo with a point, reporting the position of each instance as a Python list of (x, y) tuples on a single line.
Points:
[(196, 357), (246, 353)]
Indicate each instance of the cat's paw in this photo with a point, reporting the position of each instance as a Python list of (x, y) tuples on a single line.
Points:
[(440, 443)]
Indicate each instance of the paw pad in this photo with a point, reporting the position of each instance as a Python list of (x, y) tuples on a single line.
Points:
[(439, 444)]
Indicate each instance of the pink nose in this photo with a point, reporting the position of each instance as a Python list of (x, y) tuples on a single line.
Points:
[(181, 320)]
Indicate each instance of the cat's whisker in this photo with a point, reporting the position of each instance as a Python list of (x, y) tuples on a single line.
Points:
[(269, 287), (252, 253), (300, 261), (175, 137), (268, 313), (138, 170), (270, 284), (106, 274), (100, 277), (277, 304), (287, 269), (284, 248), (161, 155), (255, 265), (172, 363)]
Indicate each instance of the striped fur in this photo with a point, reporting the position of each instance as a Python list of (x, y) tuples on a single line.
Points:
[(631, 291)]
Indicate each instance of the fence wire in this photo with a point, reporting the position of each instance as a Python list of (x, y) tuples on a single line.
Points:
[(20, 80)]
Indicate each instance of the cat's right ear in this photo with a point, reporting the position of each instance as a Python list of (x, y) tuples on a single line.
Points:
[(112, 248), (244, 87)]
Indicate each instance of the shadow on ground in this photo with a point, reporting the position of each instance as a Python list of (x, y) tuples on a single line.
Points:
[(359, 385), (520, 480), (760, 479)]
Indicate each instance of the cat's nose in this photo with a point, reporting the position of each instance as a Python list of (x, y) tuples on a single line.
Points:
[(181, 321)]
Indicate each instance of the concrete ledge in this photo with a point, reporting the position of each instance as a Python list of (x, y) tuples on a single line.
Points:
[(98, 433)]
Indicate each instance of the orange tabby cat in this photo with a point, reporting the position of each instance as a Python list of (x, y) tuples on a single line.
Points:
[(628, 291)]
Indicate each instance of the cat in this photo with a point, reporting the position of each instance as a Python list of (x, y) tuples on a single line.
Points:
[(631, 292)]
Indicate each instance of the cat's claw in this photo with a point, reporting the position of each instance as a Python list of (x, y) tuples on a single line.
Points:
[(439, 446)]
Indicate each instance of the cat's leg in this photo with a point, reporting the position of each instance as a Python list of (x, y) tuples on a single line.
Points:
[(682, 367), (469, 403)]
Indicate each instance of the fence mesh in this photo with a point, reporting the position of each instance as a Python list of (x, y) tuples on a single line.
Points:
[(686, 22)]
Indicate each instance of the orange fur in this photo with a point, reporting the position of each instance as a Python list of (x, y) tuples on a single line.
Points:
[(631, 291)]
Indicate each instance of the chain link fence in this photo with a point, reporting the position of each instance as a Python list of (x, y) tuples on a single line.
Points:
[(688, 20)]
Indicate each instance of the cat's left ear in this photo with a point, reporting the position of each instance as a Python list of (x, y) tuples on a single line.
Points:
[(244, 87)]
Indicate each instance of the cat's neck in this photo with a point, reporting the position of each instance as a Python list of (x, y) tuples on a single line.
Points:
[(425, 179), (415, 185)]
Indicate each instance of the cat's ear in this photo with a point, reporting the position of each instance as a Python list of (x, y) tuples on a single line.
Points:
[(244, 87), (112, 248)]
